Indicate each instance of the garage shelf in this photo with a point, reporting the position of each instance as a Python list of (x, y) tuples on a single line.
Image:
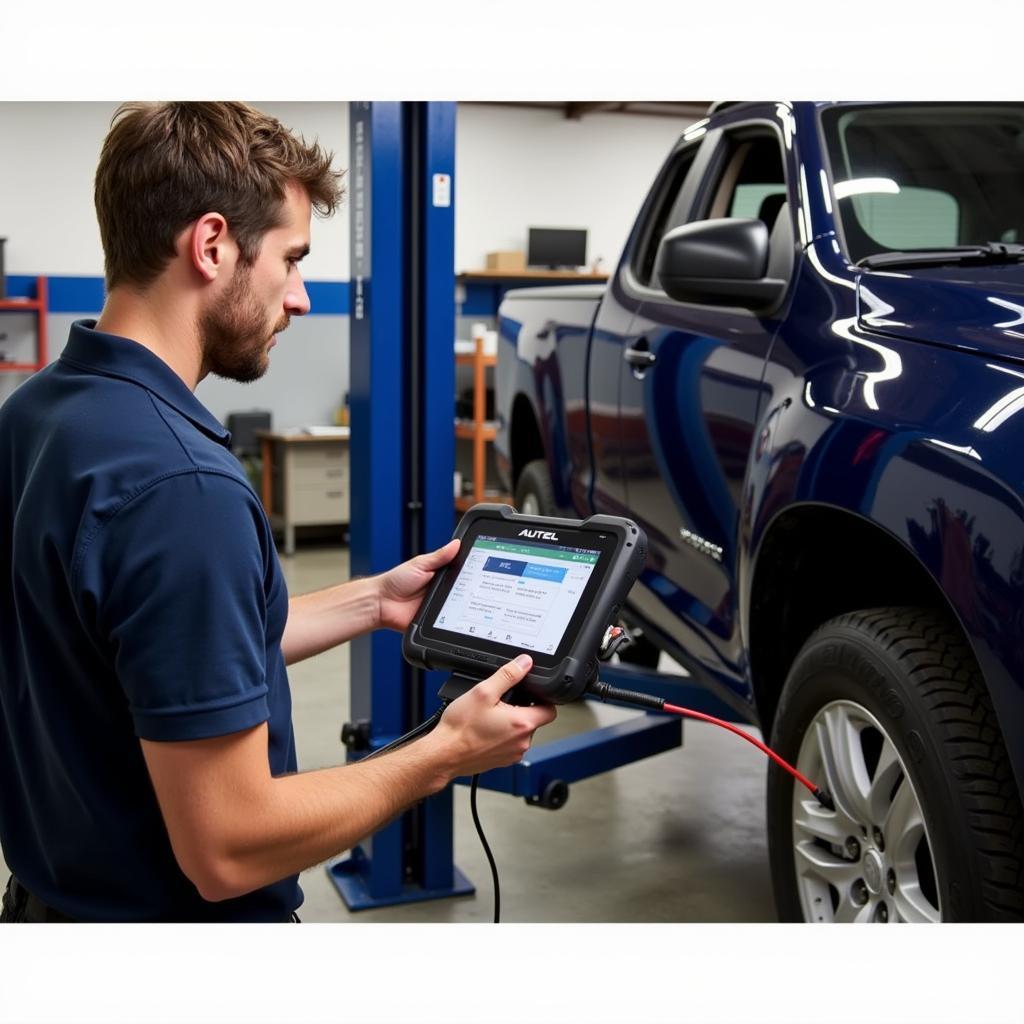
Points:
[(38, 307), (479, 430), (469, 431)]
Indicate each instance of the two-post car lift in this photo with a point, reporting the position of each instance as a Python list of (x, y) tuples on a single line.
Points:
[(401, 183)]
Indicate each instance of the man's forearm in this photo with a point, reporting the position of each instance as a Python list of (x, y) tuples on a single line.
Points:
[(326, 618), (234, 827), (302, 820)]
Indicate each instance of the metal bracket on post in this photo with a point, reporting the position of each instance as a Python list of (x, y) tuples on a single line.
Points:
[(402, 454)]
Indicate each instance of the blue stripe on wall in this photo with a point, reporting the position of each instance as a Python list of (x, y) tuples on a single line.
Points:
[(328, 298), (85, 294), (75, 294)]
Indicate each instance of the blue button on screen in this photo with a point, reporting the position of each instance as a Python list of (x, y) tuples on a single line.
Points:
[(505, 565), (549, 573)]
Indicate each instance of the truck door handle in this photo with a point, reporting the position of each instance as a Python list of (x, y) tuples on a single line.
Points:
[(640, 357)]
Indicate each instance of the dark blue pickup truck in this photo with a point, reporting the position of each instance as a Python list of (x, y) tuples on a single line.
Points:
[(805, 379)]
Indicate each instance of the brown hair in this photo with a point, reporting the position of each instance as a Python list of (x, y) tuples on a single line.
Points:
[(163, 165)]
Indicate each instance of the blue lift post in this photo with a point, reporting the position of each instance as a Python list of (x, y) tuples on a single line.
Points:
[(402, 451), (402, 380)]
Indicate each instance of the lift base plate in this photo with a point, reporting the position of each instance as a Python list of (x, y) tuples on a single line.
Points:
[(350, 879)]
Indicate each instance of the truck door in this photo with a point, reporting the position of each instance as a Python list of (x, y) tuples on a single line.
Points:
[(689, 396), (612, 334)]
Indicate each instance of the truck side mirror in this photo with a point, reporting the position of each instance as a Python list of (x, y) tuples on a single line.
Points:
[(721, 262)]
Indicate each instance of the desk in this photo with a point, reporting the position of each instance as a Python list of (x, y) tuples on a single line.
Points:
[(305, 481), (479, 292)]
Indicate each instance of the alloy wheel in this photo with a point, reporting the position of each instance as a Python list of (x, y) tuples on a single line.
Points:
[(530, 505), (869, 860)]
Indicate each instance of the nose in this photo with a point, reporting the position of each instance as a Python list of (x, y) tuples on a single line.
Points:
[(296, 300)]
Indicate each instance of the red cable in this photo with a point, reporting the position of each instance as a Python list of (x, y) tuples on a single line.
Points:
[(688, 713)]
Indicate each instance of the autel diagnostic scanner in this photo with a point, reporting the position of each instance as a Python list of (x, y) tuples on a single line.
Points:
[(544, 586)]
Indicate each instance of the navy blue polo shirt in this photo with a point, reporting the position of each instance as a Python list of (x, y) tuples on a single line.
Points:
[(140, 596)]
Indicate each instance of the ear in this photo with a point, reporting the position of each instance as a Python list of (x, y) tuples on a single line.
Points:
[(210, 247)]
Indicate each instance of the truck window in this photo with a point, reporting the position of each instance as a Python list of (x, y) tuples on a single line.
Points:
[(913, 218), (752, 182), (667, 212)]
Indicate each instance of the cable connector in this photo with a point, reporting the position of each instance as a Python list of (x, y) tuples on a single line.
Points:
[(615, 639), (604, 691)]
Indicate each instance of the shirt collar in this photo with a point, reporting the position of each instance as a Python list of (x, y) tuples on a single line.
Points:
[(114, 356)]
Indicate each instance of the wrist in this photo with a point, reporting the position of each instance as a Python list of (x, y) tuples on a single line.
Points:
[(359, 599), (376, 591), (441, 759)]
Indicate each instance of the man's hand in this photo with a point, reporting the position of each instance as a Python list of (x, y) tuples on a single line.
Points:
[(326, 618), (478, 732), (401, 590)]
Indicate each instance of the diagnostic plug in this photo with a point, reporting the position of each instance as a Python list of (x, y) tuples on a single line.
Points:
[(615, 639)]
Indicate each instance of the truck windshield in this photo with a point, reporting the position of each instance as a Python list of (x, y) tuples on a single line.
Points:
[(926, 176)]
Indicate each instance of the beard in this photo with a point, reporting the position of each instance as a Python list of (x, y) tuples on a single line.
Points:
[(235, 335)]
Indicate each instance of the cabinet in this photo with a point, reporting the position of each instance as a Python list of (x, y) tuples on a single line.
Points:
[(305, 480), (38, 307), (479, 430)]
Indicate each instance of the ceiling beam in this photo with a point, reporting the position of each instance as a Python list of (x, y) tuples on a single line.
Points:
[(574, 110)]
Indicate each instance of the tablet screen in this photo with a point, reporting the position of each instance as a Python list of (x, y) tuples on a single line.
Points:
[(519, 593)]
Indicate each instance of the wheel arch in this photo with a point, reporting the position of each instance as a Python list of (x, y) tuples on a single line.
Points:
[(874, 512), (525, 440), (816, 562)]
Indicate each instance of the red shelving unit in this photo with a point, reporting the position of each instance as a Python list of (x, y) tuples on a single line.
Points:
[(37, 306), (478, 430)]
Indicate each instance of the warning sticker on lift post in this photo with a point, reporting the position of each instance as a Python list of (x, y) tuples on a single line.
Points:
[(442, 190)]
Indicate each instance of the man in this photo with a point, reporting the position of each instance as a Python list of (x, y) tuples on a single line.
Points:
[(147, 762)]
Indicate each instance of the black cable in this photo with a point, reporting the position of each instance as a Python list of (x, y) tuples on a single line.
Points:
[(421, 730), (413, 734), (487, 849)]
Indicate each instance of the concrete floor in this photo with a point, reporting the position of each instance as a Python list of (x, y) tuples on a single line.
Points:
[(676, 837), (679, 837)]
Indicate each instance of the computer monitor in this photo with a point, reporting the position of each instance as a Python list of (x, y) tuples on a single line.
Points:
[(243, 427), (557, 247)]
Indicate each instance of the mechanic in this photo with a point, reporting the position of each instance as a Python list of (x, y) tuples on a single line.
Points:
[(147, 758)]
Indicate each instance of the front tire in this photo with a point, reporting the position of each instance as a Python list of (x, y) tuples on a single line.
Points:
[(534, 494), (886, 710)]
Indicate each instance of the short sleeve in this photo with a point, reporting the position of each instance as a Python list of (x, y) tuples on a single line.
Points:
[(173, 586)]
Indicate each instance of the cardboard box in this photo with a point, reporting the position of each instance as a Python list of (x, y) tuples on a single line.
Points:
[(506, 261)]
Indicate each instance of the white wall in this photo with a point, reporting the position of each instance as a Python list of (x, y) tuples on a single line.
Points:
[(518, 168), (515, 168), (50, 152), (46, 209)]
